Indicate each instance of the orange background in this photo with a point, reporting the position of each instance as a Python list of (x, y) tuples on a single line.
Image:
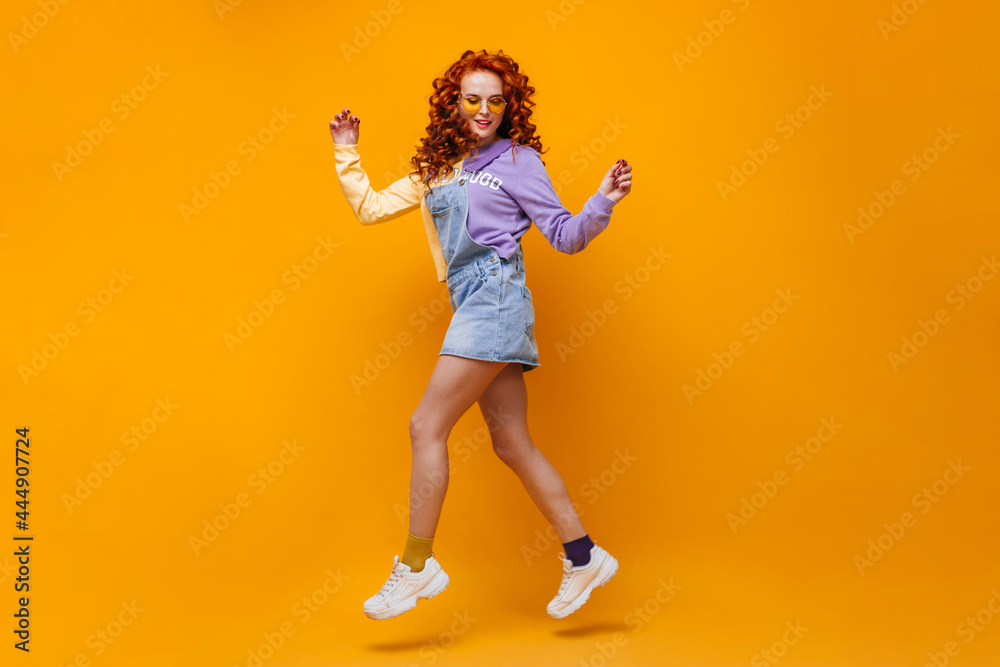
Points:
[(333, 506)]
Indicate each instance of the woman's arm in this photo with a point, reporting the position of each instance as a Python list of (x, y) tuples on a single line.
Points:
[(566, 232), (371, 207)]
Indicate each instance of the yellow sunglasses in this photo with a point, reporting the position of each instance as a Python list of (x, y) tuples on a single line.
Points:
[(473, 104)]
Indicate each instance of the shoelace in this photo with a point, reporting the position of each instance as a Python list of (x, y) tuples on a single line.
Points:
[(393, 578), (567, 566)]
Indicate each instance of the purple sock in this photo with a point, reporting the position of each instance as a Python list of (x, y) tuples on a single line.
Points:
[(578, 551)]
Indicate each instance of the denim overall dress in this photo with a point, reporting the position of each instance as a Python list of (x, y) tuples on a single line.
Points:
[(493, 317)]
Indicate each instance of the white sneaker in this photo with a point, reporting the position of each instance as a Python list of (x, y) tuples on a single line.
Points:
[(578, 582), (404, 587)]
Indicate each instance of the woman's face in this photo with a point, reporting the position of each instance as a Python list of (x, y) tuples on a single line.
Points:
[(482, 87)]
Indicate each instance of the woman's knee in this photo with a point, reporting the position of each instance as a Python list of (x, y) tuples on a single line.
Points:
[(426, 432), (512, 448)]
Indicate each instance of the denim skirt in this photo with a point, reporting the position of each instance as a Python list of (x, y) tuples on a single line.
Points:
[(493, 317)]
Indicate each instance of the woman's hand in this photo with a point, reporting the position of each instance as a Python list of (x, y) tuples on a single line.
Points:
[(617, 182), (344, 128)]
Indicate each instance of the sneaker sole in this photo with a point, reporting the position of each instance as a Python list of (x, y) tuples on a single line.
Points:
[(608, 572), (435, 587)]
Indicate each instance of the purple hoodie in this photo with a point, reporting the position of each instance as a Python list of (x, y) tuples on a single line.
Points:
[(513, 191)]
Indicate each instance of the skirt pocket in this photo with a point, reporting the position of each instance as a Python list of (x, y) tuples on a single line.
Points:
[(528, 308)]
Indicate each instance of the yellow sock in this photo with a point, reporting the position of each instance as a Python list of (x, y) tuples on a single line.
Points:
[(416, 552)]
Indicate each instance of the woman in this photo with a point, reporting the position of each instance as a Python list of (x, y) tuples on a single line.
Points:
[(480, 116)]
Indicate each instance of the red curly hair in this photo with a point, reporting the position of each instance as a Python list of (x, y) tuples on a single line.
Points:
[(449, 136)]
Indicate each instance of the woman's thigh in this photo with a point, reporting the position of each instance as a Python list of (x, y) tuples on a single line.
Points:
[(455, 384), (504, 405)]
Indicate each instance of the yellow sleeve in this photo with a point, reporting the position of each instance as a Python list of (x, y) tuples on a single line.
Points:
[(372, 207)]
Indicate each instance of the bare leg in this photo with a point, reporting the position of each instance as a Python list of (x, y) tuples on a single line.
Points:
[(504, 405), (454, 386)]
